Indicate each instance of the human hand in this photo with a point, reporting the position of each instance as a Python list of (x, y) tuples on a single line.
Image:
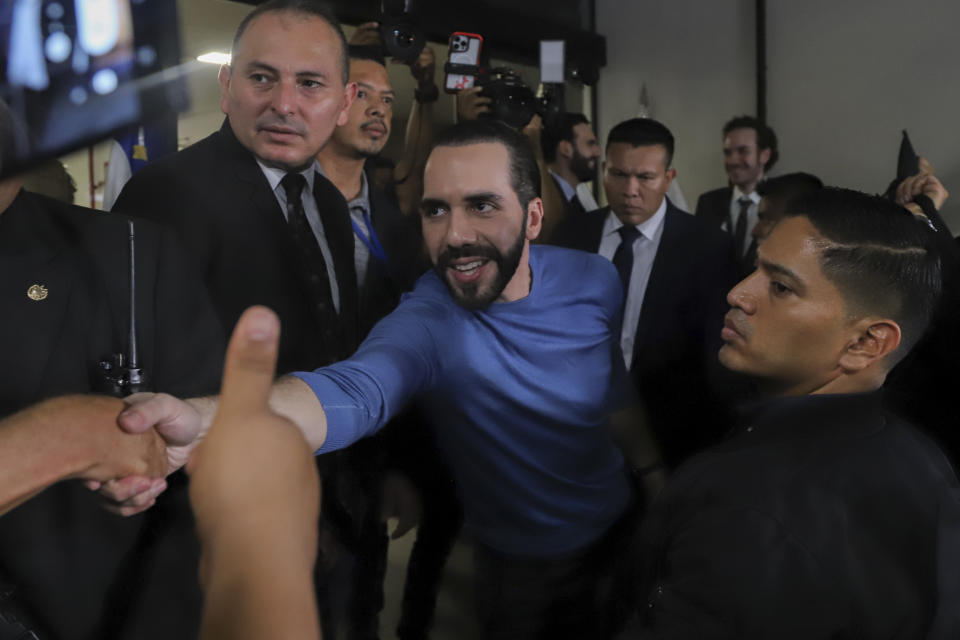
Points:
[(533, 129), (178, 422), (71, 437), (470, 104), (423, 67), (253, 483), (401, 500), (921, 184), (367, 35), (88, 423)]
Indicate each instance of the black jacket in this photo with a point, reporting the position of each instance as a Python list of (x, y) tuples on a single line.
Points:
[(675, 368), (713, 207), (215, 196), (61, 552), (823, 517)]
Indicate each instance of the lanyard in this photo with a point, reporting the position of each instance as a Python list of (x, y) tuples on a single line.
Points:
[(372, 242)]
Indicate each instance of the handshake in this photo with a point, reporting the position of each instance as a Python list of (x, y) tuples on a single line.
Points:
[(254, 487)]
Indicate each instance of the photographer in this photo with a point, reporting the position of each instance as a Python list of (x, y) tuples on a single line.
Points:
[(408, 173)]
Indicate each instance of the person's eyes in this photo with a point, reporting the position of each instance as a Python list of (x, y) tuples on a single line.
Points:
[(779, 289)]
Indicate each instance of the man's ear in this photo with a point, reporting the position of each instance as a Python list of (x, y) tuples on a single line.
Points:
[(534, 218), (764, 157), (876, 338), (223, 77), (349, 95), (565, 149), (670, 175)]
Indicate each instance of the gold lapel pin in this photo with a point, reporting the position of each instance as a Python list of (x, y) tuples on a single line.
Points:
[(37, 292)]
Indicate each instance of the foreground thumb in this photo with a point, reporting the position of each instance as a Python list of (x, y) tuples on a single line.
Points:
[(250, 362)]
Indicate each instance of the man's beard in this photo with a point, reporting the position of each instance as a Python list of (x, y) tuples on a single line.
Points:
[(469, 296), (583, 167)]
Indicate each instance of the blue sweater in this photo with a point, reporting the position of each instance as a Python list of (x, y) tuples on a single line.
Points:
[(519, 395)]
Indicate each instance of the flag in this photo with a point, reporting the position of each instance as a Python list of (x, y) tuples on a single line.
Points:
[(132, 151)]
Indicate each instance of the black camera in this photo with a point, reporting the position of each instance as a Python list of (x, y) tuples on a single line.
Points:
[(513, 102), (402, 39)]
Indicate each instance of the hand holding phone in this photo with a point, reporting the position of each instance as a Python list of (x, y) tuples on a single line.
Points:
[(464, 50)]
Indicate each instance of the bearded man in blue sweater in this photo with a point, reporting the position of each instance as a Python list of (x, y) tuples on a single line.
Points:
[(512, 351)]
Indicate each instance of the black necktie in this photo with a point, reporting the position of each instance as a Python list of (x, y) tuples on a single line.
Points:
[(623, 257), (315, 267), (740, 232), (576, 204)]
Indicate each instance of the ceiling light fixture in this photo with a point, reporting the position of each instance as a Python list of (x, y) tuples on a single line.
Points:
[(215, 57)]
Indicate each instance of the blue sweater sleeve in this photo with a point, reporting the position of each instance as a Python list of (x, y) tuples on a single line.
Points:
[(360, 395)]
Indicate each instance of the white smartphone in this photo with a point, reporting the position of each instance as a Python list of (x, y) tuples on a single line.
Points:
[(464, 49)]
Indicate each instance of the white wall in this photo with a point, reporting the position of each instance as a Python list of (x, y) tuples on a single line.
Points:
[(844, 77), (697, 60)]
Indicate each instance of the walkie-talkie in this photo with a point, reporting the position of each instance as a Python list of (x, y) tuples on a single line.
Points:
[(121, 374)]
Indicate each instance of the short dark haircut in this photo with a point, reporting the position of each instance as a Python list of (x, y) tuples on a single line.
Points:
[(524, 171), (311, 8), (643, 132), (366, 52), (878, 255), (766, 138), (557, 130), (779, 191)]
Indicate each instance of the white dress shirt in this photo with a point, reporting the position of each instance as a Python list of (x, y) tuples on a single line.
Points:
[(582, 192), (644, 252), (274, 176)]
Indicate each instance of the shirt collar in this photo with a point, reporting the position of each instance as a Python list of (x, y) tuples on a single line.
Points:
[(810, 414), (754, 197), (649, 228), (362, 200), (274, 175), (568, 190)]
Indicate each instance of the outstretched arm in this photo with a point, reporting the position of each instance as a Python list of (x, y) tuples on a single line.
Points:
[(185, 423), (71, 437)]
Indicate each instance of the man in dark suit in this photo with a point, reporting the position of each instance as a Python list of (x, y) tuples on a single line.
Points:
[(72, 569), (822, 516), (262, 225), (571, 151), (676, 271), (749, 153)]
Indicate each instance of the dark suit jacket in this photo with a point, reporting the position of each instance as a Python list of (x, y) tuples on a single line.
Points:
[(215, 196), (61, 551), (569, 206), (825, 518), (675, 364), (713, 207)]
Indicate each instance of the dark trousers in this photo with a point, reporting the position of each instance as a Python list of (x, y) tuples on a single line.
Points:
[(585, 594)]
